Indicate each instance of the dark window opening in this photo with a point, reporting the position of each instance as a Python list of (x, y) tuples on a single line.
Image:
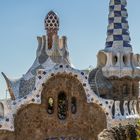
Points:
[(125, 60), (115, 60), (62, 106), (121, 107), (113, 110), (103, 96), (50, 106), (133, 90), (73, 105), (125, 90)]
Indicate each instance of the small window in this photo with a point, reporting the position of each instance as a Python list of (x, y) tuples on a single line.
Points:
[(125, 60), (115, 60), (103, 96), (62, 106), (125, 90), (50, 105), (73, 105)]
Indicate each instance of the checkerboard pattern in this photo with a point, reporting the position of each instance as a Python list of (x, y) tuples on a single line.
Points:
[(118, 29)]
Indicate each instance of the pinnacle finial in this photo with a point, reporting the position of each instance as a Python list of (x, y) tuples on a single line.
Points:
[(51, 22), (51, 26)]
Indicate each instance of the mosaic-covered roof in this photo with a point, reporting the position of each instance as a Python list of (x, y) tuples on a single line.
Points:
[(51, 50)]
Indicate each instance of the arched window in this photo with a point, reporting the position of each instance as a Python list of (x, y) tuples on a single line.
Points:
[(73, 105), (62, 106), (125, 61), (50, 105), (115, 60)]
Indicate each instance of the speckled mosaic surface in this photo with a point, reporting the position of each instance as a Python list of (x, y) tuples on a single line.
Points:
[(52, 58)]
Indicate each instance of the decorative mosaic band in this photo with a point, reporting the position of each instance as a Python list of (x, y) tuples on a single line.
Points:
[(118, 29)]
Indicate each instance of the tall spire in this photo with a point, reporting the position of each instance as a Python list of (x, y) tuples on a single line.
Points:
[(118, 29), (118, 59)]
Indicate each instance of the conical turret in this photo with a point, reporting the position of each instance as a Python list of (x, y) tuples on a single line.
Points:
[(118, 28), (117, 59)]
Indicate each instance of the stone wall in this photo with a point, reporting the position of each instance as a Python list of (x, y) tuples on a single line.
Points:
[(6, 135), (34, 122), (124, 89)]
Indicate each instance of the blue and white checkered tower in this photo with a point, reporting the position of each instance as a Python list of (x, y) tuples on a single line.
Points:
[(117, 59), (118, 29)]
